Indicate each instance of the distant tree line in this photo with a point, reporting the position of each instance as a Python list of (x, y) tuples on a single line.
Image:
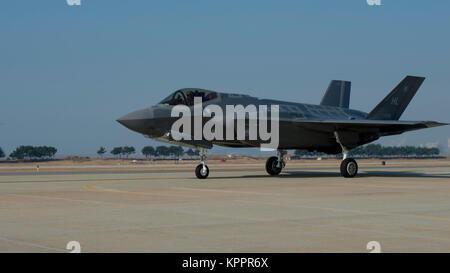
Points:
[(149, 151), (306, 153), (375, 150), (2, 154), (123, 151), (33, 152), (378, 150)]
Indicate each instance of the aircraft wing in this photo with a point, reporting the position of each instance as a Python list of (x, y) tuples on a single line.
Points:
[(381, 127)]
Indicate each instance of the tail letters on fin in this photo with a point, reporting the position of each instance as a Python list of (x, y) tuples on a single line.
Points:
[(394, 104)]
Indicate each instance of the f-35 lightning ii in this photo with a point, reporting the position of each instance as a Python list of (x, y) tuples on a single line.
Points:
[(330, 127)]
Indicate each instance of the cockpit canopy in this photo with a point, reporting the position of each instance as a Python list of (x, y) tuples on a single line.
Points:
[(186, 96)]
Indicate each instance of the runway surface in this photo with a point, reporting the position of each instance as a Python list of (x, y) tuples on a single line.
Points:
[(405, 208)]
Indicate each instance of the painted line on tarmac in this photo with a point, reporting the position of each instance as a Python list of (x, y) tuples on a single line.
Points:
[(94, 187), (184, 170), (31, 244), (355, 211), (60, 198)]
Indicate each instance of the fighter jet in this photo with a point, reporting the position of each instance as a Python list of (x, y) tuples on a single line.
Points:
[(330, 127)]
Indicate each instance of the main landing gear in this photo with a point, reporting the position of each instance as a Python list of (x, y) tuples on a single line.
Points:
[(349, 167), (275, 164), (202, 171)]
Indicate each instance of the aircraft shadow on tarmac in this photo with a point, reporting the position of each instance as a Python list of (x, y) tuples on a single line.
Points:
[(283, 175), (306, 174)]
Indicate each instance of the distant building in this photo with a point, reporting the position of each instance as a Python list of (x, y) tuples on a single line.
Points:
[(289, 156), (432, 144)]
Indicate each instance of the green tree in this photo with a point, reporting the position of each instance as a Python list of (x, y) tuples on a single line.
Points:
[(2, 154), (180, 151), (22, 152), (190, 152), (101, 151), (148, 151), (162, 150), (306, 153), (435, 151), (38, 152), (128, 150), (373, 150), (116, 151), (176, 150), (51, 151), (31, 152)]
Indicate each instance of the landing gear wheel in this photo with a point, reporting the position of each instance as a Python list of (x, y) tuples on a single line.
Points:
[(349, 167), (201, 172), (272, 166)]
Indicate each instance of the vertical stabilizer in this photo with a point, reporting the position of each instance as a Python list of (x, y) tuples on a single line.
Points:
[(395, 103), (337, 94)]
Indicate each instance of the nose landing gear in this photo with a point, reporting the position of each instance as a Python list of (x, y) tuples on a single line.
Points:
[(275, 164), (202, 170)]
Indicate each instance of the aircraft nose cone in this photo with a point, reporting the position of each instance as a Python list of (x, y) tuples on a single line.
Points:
[(137, 120)]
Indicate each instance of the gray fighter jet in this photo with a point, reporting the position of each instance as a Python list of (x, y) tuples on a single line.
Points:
[(330, 127)]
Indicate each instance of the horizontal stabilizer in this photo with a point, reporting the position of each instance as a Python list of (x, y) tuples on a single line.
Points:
[(337, 94), (381, 127)]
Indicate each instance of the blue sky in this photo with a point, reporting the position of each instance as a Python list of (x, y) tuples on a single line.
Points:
[(67, 72)]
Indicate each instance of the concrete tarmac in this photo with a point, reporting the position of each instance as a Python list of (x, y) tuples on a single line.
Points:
[(404, 208)]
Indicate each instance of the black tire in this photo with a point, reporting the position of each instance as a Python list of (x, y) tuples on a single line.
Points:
[(199, 173), (271, 166), (349, 168)]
